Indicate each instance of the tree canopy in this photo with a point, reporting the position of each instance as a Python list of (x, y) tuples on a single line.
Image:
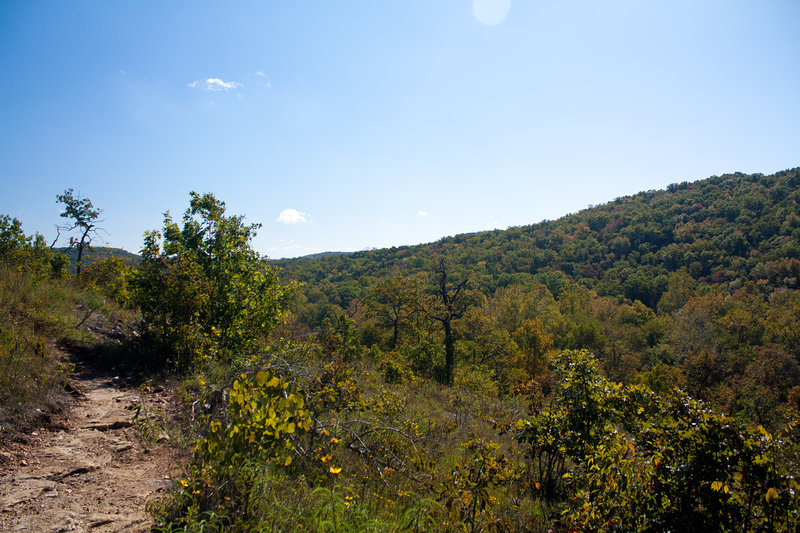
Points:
[(84, 218), (203, 289)]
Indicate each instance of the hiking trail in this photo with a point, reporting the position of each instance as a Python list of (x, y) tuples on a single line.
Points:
[(94, 471)]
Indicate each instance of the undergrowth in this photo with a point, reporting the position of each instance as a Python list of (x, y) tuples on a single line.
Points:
[(292, 444), (44, 313)]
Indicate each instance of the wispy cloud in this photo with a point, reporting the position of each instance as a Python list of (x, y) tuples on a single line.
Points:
[(215, 84), (293, 216), (261, 74), (422, 213)]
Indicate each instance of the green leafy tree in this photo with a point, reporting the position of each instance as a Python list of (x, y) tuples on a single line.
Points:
[(28, 252), (11, 235), (206, 291), (111, 277), (534, 344), (392, 302), (84, 218), (783, 320)]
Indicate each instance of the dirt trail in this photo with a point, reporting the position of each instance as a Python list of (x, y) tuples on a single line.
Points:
[(96, 472)]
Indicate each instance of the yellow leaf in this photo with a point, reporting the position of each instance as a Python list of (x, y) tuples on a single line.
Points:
[(772, 494)]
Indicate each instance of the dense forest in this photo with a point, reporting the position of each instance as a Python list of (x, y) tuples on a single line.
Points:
[(632, 367), (694, 286)]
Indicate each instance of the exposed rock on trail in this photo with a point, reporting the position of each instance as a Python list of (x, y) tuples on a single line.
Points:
[(95, 472)]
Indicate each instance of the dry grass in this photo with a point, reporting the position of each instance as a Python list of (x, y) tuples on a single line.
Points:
[(39, 314)]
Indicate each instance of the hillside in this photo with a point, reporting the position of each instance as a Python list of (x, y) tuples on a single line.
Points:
[(726, 230), (694, 286), (687, 293), (97, 253)]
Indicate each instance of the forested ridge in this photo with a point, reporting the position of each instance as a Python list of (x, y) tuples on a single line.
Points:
[(727, 229), (98, 253)]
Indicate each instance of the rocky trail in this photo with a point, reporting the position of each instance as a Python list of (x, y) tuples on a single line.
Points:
[(95, 470)]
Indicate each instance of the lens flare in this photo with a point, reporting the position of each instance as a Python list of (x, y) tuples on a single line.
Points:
[(490, 12)]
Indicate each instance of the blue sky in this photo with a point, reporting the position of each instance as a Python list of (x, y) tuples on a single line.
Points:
[(359, 124)]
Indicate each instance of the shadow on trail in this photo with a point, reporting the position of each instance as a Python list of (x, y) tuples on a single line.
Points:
[(124, 362)]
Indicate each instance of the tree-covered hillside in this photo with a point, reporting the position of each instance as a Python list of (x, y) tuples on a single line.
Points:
[(97, 254), (728, 230), (694, 286)]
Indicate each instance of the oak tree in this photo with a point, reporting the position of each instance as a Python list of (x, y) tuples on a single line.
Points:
[(392, 302)]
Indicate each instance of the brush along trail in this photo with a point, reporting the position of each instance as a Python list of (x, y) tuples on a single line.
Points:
[(95, 470)]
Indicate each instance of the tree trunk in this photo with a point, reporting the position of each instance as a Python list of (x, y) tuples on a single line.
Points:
[(395, 334), (80, 261), (81, 246), (449, 351)]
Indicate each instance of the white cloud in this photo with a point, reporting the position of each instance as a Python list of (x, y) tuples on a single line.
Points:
[(215, 84), (260, 73), (293, 216), (422, 213)]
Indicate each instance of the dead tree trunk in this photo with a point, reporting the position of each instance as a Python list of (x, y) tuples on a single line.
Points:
[(452, 308)]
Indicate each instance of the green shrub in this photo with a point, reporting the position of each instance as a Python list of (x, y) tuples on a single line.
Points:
[(233, 461), (206, 293), (626, 459)]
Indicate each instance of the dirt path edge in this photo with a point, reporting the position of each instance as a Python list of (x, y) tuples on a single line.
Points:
[(95, 472)]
